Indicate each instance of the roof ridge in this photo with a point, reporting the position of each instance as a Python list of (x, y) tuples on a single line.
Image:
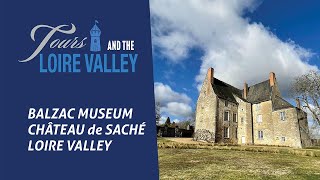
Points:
[(259, 83), (280, 103), (282, 98), (228, 84)]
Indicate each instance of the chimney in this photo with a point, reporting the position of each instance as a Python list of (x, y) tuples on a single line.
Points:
[(210, 78), (210, 75), (272, 79), (298, 103), (245, 91)]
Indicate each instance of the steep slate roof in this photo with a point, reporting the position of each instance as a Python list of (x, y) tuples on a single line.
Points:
[(256, 93), (259, 92), (279, 103), (225, 91)]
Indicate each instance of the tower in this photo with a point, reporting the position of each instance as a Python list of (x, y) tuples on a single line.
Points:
[(95, 38)]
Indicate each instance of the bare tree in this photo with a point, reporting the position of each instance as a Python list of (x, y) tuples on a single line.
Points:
[(158, 114), (190, 121), (307, 89)]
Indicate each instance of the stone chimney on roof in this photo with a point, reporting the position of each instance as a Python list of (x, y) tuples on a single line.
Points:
[(298, 103), (245, 91), (210, 75), (210, 78), (272, 79)]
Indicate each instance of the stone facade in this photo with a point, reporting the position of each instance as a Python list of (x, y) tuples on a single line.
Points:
[(244, 122), (254, 115), (206, 111)]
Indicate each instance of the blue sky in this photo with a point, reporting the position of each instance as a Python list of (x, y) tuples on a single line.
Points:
[(297, 20), (208, 34)]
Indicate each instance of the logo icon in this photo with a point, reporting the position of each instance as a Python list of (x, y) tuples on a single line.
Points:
[(95, 33)]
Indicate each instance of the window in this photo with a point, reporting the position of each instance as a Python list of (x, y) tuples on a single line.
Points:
[(235, 117), (236, 133), (259, 118), (260, 135), (226, 103), (226, 116), (282, 116), (226, 132), (242, 120), (258, 106), (283, 139)]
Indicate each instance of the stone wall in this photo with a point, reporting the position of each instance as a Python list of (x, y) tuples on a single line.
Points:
[(205, 124), (264, 109), (221, 123), (304, 128), (210, 123), (204, 135), (244, 122), (286, 132)]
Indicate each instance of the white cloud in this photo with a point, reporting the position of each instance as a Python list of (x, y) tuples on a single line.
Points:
[(174, 45), (162, 120), (164, 94), (177, 109), (239, 50), (171, 102)]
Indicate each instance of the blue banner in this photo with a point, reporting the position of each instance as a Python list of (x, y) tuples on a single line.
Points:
[(77, 98)]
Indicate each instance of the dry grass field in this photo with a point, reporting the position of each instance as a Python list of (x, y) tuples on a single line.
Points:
[(185, 159)]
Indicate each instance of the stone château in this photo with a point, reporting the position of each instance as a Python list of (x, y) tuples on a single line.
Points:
[(256, 115)]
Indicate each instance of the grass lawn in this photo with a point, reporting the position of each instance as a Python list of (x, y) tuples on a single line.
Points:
[(204, 163)]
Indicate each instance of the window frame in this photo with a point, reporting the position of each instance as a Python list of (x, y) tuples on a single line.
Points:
[(260, 135), (236, 133), (226, 103), (224, 116), (282, 116), (226, 129), (235, 117), (259, 121), (258, 107)]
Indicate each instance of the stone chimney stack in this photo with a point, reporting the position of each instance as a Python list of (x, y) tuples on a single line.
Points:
[(272, 78), (210, 75), (210, 79), (298, 103), (245, 91)]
